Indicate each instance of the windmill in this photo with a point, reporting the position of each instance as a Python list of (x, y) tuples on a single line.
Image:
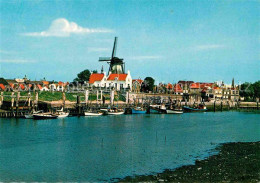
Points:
[(116, 65)]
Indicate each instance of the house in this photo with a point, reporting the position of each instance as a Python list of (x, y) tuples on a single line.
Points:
[(136, 85), (112, 81), (97, 80), (178, 89), (169, 88)]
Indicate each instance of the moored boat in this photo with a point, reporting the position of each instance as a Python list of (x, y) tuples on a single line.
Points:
[(30, 115), (62, 114), (200, 108), (93, 113), (174, 111), (45, 116), (138, 110), (115, 111)]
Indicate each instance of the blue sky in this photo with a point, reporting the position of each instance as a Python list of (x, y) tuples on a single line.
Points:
[(168, 40)]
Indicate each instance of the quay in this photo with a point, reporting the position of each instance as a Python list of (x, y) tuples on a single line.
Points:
[(17, 105)]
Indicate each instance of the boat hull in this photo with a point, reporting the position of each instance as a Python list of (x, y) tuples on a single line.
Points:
[(138, 111), (44, 116), (115, 113), (92, 114), (63, 115), (169, 111), (190, 109), (28, 116)]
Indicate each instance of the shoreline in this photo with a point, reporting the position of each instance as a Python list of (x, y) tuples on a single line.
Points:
[(235, 162)]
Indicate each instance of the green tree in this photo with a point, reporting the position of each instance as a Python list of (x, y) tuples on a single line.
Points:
[(256, 89), (247, 90), (148, 84), (83, 76)]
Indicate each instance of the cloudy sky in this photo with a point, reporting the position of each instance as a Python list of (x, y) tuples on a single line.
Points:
[(168, 40)]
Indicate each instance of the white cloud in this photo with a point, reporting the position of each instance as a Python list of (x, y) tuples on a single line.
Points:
[(98, 49), (146, 57), (17, 61), (63, 28), (208, 47)]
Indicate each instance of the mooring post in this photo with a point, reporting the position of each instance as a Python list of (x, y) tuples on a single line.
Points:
[(29, 99), (112, 97), (63, 99), (12, 102), (1, 99), (78, 104), (215, 106), (221, 105), (97, 96), (257, 105), (36, 100), (127, 98), (17, 104), (86, 96)]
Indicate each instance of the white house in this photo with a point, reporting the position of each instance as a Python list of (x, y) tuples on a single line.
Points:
[(117, 81)]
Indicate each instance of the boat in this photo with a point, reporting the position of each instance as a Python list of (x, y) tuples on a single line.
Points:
[(62, 114), (45, 116), (174, 111), (30, 115), (138, 110), (115, 111), (93, 113), (199, 108)]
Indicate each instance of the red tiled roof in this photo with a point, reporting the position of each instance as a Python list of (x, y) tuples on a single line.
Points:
[(138, 80), (95, 77), (169, 86), (121, 77), (22, 86), (39, 86), (177, 88), (12, 85), (2, 86), (45, 82), (195, 86)]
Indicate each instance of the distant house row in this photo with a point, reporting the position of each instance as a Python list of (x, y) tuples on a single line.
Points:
[(27, 85)]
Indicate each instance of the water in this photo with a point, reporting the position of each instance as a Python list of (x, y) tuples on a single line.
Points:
[(102, 148)]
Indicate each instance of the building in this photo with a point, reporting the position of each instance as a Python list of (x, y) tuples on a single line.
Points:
[(136, 85), (112, 81)]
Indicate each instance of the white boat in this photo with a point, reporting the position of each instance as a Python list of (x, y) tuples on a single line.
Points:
[(93, 113), (174, 111), (62, 114), (115, 113), (30, 116)]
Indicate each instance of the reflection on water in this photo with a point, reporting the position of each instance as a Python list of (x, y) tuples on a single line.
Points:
[(106, 147)]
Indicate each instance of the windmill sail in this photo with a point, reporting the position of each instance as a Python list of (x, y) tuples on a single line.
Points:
[(116, 64)]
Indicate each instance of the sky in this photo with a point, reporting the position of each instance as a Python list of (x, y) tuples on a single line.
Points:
[(169, 40)]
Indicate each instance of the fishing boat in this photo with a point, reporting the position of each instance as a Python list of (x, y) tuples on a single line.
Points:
[(199, 108), (174, 111), (45, 116), (62, 114), (138, 110)]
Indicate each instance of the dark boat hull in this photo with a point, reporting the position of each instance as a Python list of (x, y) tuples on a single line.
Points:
[(190, 109)]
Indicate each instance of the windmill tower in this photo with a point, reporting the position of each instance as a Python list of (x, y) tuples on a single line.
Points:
[(116, 65)]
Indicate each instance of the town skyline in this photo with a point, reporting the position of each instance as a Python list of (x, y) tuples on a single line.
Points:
[(169, 41)]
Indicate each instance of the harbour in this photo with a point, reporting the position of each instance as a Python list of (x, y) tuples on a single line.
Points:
[(99, 149)]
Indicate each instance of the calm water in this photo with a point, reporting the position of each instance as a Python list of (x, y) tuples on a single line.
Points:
[(106, 147)]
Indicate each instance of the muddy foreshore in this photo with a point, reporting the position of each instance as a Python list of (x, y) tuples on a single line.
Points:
[(235, 162)]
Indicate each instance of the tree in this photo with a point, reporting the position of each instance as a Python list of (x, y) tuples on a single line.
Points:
[(83, 76), (148, 84), (247, 90), (256, 89)]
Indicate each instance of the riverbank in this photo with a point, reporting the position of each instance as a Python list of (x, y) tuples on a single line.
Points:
[(235, 162)]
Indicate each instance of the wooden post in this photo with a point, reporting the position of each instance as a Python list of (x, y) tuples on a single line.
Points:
[(221, 105), (36, 100), (112, 97), (215, 106), (86, 96), (127, 98), (17, 103), (257, 105), (63, 99), (1, 98), (78, 104), (29, 99), (97, 96), (12, 101)]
